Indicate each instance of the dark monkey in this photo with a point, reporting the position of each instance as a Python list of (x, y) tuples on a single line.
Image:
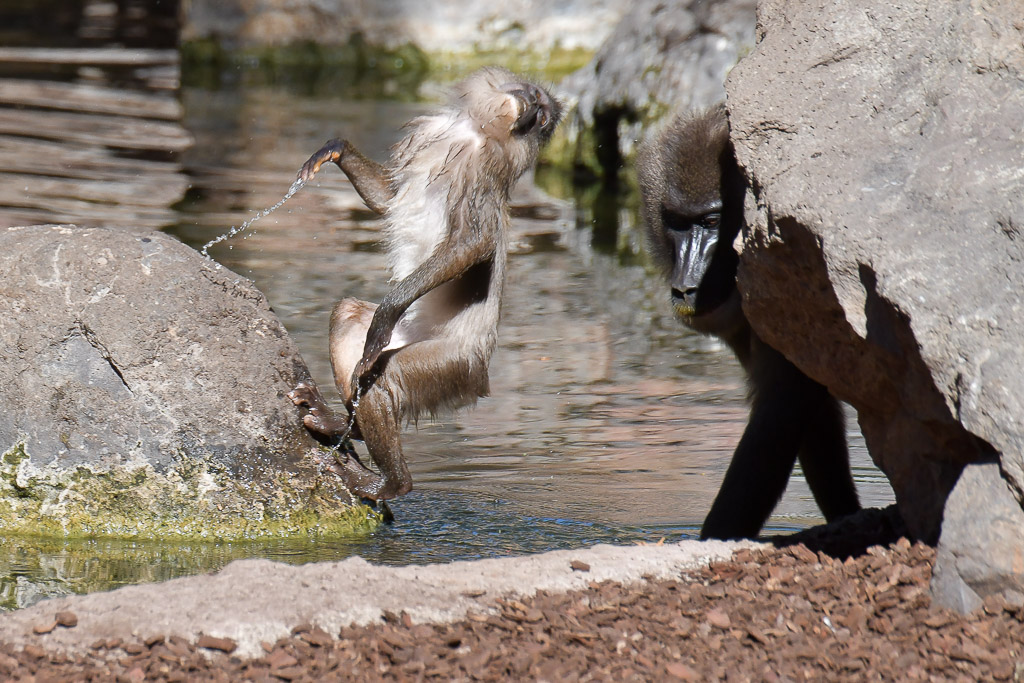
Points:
[(693, 207), (444, 197)]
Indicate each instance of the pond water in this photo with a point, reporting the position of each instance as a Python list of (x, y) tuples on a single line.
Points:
[(607, 420)]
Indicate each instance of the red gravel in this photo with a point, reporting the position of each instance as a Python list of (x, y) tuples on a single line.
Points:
[(779, 614)]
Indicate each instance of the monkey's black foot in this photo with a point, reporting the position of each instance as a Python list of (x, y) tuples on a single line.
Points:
[(320, 418), (361, 481)]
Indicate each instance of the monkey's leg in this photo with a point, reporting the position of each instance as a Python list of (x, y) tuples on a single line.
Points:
[(368, 177), (380, 422), (423, 377), (350, 319), (825, 460), (757, 474), (782, 404)]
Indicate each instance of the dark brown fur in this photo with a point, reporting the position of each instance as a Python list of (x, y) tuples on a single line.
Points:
[(444, 196), (693, 207)]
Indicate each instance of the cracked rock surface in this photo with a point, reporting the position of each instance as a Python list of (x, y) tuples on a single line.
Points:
[(142, 391)]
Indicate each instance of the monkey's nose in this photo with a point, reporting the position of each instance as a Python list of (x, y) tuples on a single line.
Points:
[(530, 115)]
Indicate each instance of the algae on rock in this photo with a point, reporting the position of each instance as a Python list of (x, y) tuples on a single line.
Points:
[(144, 395)]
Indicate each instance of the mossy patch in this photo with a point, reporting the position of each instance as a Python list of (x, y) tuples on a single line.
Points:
[(33, 568), (190, 500), (552, 65)]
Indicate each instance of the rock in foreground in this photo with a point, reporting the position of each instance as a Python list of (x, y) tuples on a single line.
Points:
[(886, 254), (142, 393)]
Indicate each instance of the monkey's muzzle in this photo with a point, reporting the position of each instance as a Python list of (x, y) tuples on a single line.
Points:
[(538, 112)]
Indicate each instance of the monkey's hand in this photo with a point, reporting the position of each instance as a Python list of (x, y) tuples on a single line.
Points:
[(333, 151), (378, 336)]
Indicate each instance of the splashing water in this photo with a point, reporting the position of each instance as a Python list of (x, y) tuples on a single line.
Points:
[(296, 186)]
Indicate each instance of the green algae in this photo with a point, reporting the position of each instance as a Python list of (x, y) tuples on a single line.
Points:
[(192, 500), (552, 65)]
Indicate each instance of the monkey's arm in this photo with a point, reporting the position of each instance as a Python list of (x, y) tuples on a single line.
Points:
[(463, 248), (368, 177)]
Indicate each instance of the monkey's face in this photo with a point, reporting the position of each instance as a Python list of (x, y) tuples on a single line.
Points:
[(702, 268), (693, 208), (537, 113), (509, 110)]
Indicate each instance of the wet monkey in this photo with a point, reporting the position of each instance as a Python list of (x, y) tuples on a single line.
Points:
[(444, 198), (693, 208)]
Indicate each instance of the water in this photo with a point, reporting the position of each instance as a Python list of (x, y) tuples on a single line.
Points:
[(608, 422), (242, 227)]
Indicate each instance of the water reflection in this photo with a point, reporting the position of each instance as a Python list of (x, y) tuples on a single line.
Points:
[(608, 422), (604, 410)]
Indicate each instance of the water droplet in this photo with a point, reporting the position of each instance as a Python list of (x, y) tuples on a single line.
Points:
[(296, 186)]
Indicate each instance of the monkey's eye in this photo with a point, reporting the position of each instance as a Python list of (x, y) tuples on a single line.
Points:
[(675, 221), (710, 221)]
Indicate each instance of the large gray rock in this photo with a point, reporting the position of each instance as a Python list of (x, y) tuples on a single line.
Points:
[(886, 254), (142, 393), (980, 550), (661, 56)]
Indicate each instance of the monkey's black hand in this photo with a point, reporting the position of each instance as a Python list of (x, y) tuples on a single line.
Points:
[(334, 150)]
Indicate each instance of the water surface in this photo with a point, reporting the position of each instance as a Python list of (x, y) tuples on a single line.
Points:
[(607, 420)]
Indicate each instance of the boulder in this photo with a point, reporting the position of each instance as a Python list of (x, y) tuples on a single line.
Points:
[(143, 393), (885, 255), (660, 56)]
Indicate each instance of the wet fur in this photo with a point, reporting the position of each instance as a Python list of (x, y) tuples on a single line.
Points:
[(444, 197)]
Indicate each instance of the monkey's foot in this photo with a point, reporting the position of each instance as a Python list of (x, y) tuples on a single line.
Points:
[(357, 477), (320, 418)]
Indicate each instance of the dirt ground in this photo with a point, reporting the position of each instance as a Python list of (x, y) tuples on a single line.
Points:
[(768, 613)]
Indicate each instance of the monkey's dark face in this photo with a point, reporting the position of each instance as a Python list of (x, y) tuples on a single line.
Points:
[(538, 112), (693, 207)]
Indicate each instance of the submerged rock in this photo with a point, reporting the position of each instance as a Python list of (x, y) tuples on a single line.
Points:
[(142, 393), (886, 256)]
